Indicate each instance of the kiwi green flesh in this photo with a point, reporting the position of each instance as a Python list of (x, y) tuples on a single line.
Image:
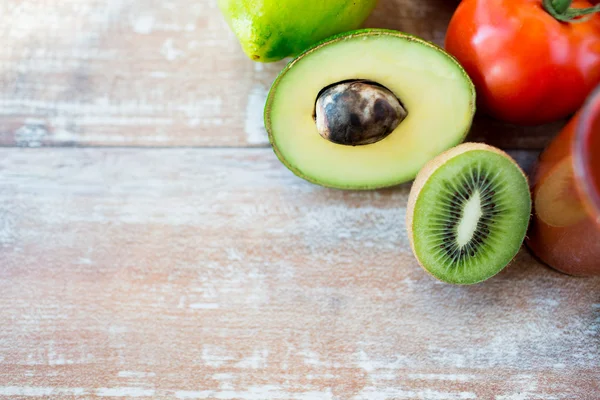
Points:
[(432, 86), (471, 217)]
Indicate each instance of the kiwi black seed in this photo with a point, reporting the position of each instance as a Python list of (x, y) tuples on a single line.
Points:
[(468, 213)]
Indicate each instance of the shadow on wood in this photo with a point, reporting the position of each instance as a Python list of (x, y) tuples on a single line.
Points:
[(427, 19), (509, 136)]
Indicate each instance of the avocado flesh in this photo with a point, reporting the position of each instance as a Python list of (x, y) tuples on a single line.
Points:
[(434, 89)]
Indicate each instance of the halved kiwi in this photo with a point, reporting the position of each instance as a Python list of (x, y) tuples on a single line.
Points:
[(468, 213)]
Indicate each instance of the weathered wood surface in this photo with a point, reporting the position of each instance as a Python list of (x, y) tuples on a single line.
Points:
[(217, 274), (161, 73)]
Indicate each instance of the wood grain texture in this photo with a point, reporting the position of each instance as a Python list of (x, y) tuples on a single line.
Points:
[(161, 73), (217, 274)]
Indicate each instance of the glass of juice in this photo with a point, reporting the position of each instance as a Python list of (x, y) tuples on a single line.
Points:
[(565, 230)]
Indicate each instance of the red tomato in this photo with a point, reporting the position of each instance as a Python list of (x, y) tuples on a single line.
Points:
[(528, 67)]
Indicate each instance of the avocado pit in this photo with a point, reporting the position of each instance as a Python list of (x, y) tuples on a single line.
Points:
[(357, 112)]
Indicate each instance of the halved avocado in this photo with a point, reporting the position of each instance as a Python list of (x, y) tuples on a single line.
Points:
[(367, 109)]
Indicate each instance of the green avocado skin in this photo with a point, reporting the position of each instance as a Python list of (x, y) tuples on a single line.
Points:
[(270, 30)]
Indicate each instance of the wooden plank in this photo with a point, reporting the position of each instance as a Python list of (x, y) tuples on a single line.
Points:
[(159, 73), (217, 274)]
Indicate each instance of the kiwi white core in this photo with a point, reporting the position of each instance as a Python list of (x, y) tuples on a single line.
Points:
[(470, 217)]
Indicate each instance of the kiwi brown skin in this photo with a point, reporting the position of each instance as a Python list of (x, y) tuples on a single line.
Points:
[(426, 172)]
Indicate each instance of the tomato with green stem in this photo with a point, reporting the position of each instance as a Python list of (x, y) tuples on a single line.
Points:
[(532, 61)]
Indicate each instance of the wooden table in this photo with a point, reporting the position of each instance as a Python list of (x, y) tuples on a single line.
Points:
[(152, 246)]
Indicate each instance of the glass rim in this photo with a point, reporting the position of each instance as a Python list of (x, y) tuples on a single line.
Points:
[(582, 154)]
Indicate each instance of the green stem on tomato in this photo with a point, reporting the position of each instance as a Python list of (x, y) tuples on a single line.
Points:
[(560, 9), (561, 5)]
